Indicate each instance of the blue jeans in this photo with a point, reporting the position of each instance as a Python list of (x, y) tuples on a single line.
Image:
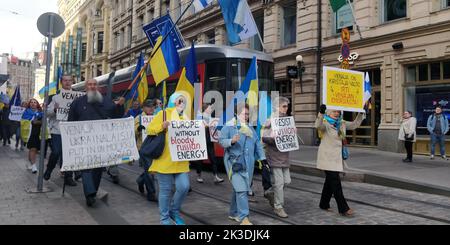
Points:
[(170, 206), (239, 205), (438, 139)]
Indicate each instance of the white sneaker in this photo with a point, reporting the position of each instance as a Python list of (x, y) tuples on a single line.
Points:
[(34, 169), (200, 180), (431, 157), (444, 157), (29, 166), (234, 218), (217, 179)]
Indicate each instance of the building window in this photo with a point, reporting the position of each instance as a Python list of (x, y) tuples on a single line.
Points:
[(100, 42), (99, 71), (255, 41), (140, 30), (150, 15), (211, 37), (165, 7), (343, 18), (129, 35), (289, 24), (394, 9)]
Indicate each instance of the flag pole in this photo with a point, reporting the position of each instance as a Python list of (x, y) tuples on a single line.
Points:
[(354, 18), (259, 34), (156, 48)]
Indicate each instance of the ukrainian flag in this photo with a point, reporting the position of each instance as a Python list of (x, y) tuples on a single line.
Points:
[(165, 61), (52, 88), (188, 78), (133, 93)]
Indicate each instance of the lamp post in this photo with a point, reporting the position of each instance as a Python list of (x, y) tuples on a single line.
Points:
[(301, 70)]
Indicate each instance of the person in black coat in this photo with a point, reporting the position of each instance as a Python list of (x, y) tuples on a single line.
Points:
[(93, 106)]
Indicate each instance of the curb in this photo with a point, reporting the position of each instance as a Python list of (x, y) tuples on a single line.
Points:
[(353, 175)]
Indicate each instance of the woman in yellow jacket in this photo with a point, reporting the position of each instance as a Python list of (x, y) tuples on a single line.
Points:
[(167, 171)]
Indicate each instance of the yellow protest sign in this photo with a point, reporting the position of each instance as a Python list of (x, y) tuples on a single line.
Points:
[(343, 89)]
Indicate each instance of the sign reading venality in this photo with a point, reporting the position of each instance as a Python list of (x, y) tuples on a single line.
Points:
[(16, 113), (145, 121), (97, 144), (343, 89), (68, 97), (285, 134), (187, 141)]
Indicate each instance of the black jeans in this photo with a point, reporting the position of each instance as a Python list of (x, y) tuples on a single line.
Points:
[(333, 187), (146, 178), (409, 149), (211, 156)]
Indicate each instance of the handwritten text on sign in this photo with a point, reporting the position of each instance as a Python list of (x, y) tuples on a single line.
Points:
[(343, 89), (145, 121), (187, 141), (213, 131), (68, 97), (285, 134), (97, 144), (16, 113)]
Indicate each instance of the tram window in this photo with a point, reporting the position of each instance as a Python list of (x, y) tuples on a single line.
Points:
[(239, 70), (216, 76)]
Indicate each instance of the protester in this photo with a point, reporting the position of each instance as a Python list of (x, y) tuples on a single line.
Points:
[(135, 110), (407, 133), (31, 130), (93, 106), (157, 103), (170, 173), (278, 161), (145, 180), (6, 125), (206, 117), (56, 143), (242, 148), (330, 158), (437, 125)]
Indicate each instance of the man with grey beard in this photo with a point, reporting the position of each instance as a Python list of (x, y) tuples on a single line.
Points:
[(93, 106)]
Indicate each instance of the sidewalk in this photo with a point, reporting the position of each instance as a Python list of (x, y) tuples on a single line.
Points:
[(384, 168), (17, 207)]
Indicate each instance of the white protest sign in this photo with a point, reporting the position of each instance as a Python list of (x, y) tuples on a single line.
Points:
[(187, 141), (145, 121), (213, 131), (16, 113), (285, 134), (97, 144), (68, 97)]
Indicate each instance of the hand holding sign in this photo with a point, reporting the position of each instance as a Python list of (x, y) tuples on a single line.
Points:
[(285, 134)]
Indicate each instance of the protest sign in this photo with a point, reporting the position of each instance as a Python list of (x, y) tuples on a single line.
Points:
[(213, 131), (145, 121), (97, 144), (16, 113), (343, 90), (187, 141), (285, 134), (68, 97)]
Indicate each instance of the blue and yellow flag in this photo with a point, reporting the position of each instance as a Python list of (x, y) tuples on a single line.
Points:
[(52, 89), (165, 61), (133, 95), (188, 78)]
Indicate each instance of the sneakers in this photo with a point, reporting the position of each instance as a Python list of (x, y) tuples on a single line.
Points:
[(218, 180), (246, 221), (200, 180), (270, 195), (444, 157), (177, 220), (70, 182), (432, 157), (47, 175), (34, 169), (234, 218), (280, 213)]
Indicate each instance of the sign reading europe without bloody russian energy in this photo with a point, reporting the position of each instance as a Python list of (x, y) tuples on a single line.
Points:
[(285, 134), (343, 89), (145, 121), (68, 97), (97, 144), (187, 141)]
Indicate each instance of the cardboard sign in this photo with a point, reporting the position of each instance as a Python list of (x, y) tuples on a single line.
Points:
[(62, 113), (285, 134), (16, 113), (215, 134), (187, 141), (97, 144), (145, 121), (343, 90)]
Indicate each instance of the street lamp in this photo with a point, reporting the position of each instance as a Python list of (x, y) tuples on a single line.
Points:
[(301, 70)]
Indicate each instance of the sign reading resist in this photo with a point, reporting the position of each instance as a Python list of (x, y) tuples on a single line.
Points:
[(97, 144), (68, 97), (285, 134), (187, 141)]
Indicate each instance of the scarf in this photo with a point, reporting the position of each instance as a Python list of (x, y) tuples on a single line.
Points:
[(30, 115), (334, 122)]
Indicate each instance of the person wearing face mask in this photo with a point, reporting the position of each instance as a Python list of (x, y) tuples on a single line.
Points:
[(93, 106), (242, 148), (168, 172), (437, 125), (330, 157), (407, 134)]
